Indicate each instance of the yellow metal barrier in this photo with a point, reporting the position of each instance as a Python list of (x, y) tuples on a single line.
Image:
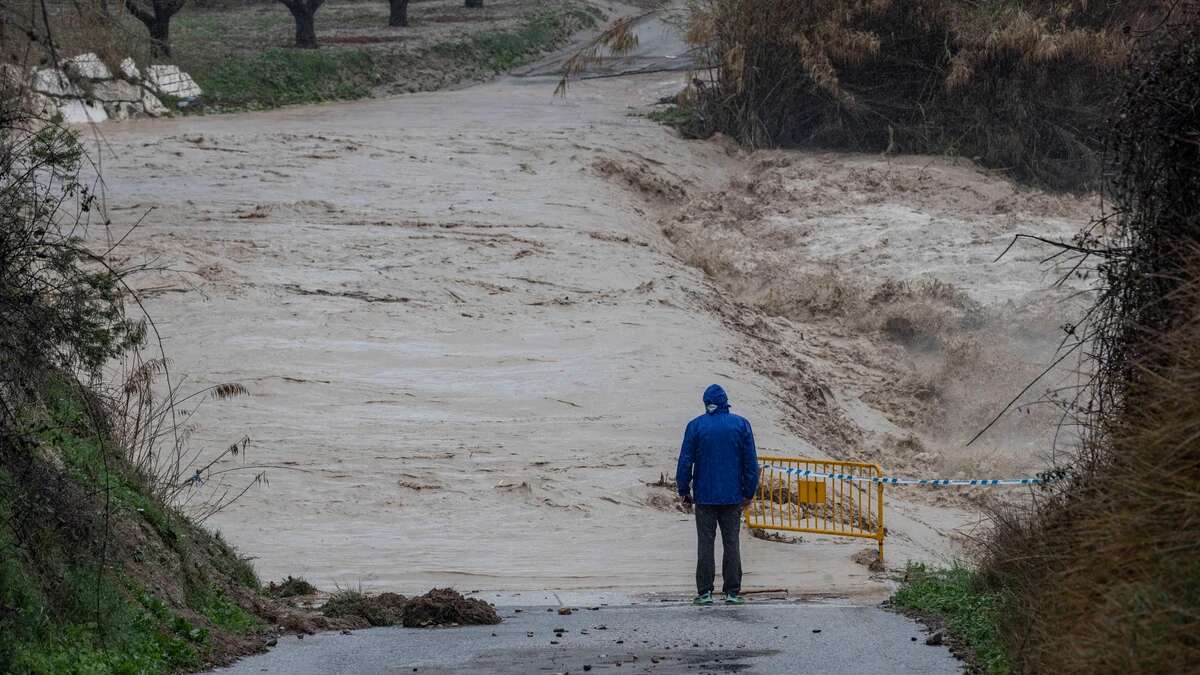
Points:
[(836, 506)]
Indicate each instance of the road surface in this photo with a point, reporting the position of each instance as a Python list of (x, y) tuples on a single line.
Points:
[(831, 638)]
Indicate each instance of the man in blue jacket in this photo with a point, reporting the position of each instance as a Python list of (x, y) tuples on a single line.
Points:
[(718, 472)]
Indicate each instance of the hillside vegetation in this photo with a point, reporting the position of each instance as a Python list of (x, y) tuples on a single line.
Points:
[(100, 570), (1103, 575)]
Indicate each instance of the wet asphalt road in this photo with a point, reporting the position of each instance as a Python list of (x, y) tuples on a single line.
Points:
[(777, 637)]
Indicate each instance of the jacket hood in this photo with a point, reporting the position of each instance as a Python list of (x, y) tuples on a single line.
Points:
[(715, 399)]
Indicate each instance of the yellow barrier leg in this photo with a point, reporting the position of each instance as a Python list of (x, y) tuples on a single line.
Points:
[(881, 531)]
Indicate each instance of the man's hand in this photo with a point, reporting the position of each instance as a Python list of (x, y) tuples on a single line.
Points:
[(746, 504), (686, 499)]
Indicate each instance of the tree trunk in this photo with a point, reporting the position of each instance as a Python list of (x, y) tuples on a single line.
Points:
[(474, 3), (399, 15), (306, 26), (160, 36)]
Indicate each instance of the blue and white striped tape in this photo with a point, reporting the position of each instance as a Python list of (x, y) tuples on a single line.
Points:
[(886, 480)]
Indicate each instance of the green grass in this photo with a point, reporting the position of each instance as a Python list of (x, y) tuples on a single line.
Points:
[(83, 454), (279, 77), (499, 51), (221, 611), (673, 116), (107, 630), (243, 60), (60, 612), (970, 612), (233, 565)]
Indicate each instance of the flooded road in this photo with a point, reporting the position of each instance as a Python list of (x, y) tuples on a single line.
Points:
[(469, 347)]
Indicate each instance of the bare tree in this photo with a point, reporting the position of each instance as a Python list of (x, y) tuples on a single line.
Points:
[(156, 14), (399, 15), (304, 12)]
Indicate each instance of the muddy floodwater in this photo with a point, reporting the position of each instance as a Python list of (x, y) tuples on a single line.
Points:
[(470, 347)]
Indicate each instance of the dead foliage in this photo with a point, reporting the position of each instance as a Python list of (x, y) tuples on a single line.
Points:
[(385, 609), (290, 587), (43, 32), (444, 606), (1022, 87), (759, 533), (1103, 574)]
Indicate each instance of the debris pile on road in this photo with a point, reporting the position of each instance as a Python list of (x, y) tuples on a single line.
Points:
[(444, 606), (438, 607), (385, 609)]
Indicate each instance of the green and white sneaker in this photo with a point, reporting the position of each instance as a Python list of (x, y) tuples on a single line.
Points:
[(705, 599), (734, 599)]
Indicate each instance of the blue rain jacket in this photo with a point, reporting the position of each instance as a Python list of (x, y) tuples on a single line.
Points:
[(717, 462)]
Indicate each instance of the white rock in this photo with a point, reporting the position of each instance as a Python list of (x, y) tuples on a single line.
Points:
[(88, 66), (116, 90), (54, 82), (171, 81), (75, 111), (151, 105), (130, 70)]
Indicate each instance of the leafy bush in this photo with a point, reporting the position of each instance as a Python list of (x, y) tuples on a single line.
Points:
[(61, 304), (970, 611)]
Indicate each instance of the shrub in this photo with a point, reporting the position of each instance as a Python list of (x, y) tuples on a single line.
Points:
[(1020, 86), (290, 588), (1105, 572), (956, 598), (81, 510)]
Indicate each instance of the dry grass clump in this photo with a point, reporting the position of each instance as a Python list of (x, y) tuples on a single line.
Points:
[(1019, 86), (385, 609), (444, 607), (290, 587), (1104, 574)]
